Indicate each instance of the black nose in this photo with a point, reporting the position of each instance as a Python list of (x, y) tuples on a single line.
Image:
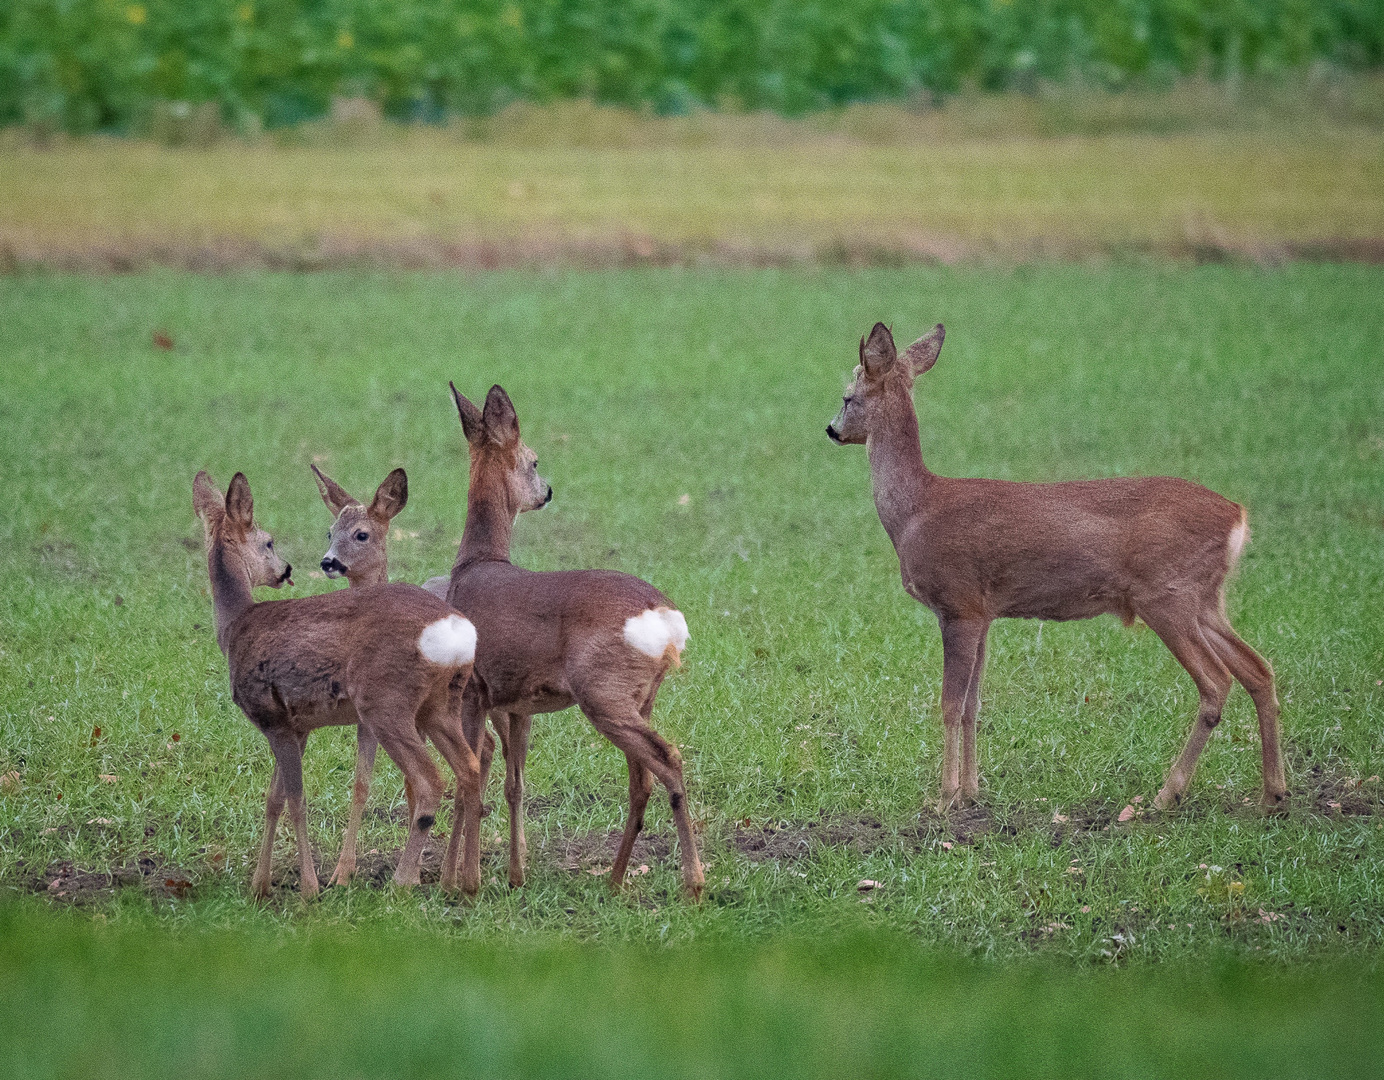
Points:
[(549, 497), (831, 434), (288, 572), (333, 565)]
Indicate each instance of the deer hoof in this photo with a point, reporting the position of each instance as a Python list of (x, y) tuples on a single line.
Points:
[(1166, 800), (342, 874), (1274, 802), (516, 878)]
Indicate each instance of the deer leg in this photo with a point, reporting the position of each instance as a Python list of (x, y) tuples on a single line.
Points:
[(1185, 642), (970, 766), (466, 767), (959, 643), (632, 734), (366, 745), (1256, 676), (641, 786), (288, 753), (480, 743), (273, 809), (515, 753), (406, 750)]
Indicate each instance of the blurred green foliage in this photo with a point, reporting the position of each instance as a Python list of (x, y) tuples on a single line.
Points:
[(84, 65)]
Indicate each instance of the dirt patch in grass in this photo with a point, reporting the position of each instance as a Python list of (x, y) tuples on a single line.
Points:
[(68, 883)]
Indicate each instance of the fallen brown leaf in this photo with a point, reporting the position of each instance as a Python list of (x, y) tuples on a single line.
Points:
[(865, 885), (1127, 813), (162, 340), (108, 778)]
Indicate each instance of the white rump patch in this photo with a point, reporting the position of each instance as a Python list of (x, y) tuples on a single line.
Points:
[(449, 642), (652, 632), (1236, 542)]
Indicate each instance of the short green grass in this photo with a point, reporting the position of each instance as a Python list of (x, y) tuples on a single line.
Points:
[(679, 416)]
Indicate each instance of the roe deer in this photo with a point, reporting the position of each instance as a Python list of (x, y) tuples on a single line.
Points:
[(1158, 548), (595, 638), (358, 552), (383, 658)]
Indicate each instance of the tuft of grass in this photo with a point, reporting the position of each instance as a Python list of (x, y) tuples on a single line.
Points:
[(679, 417)]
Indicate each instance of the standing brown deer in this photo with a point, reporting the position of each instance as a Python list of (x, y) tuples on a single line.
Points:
[(383, 658), (594, 638), (358, 552), (1156, 548)]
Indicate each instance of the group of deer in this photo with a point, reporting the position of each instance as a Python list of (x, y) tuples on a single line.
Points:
[(406, 664)]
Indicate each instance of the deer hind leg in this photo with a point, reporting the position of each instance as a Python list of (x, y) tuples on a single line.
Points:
[(1256, 676), (466, 767), (273, 809), (641, 787), (970, 766), (630, 732), (480, 743), (960, 643), (288, 755), (1185, 641), (406, 749), (366, 745), (516, 751)]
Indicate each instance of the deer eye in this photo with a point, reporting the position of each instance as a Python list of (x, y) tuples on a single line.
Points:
[(362, 536)]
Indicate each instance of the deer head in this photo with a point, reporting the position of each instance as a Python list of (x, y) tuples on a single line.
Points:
[(882, 381), (501, 464), (358, 533), (229, 525)]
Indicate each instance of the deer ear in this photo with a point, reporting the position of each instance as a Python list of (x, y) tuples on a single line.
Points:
[(922, 354), (501, 421), (207, 501), (240, 505), (334, 495), (472, 425), (877, 352), (390, 497)]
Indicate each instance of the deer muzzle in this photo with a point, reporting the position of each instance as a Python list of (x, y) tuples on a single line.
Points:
[(332, 566)]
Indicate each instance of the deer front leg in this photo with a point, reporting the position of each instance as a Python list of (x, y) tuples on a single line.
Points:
[(288, 755), (273, 809), (970, 766), (366, 745), (516, 751), (960, 639)]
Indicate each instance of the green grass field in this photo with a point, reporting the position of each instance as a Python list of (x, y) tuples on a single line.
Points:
[(679, 416), (1194, 174)]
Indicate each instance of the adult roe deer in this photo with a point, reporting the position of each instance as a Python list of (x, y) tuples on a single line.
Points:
[(1156, 548), (598, 639), (358, 551), (382, 658)]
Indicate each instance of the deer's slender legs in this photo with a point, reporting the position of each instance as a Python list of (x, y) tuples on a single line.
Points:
[(960, 641), (406, 749), (516, 751), (480, 743), (366, 745), (630, 732), (466, 767), (641, 786), (287, 747), (1184, 640), (970, 766), (1256, 676), (273, 809)]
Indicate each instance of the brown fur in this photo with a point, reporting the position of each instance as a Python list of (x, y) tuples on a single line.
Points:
[(554, 639), (1158, 548), (340, 658), (359, 552)]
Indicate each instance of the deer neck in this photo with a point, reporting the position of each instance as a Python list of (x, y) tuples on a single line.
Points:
[(489, 524), (230, 591), (897, 473)]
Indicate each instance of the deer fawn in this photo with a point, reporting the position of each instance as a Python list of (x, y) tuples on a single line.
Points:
[(595, 638), (358, 552), (1156, 548), (383, 658)]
